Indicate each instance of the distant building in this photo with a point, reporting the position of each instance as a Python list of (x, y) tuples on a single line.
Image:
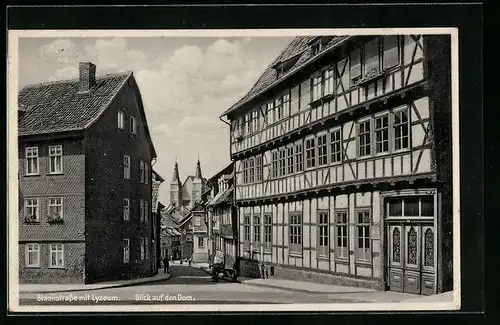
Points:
[(222, 216), (156, 208), (186, 201), (85, 192), (342, 153)]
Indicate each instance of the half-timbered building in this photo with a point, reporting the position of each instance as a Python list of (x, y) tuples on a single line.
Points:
[(342, 156)]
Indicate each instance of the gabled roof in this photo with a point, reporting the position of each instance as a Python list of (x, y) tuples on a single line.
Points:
[(58, 106), (222, 197), (298, 46), (226, 170)]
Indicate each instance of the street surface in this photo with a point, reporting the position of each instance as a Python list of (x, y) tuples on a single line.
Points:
[(187, 285)]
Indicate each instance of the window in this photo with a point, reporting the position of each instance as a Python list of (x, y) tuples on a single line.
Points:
[(126, 167), (322, 150), (371, 61), (390, 51), (317, 47), (295, 233), (329, 81), (401, 130), (268, 233), (355, 61), (146, 247), (126, 250), (121, 120), (246, 229), (31, 212), (146, 211), (245, 171), (289, 159), (55, 157), (299, 162), (286, 105), (363, 252), (250, 124), (32, 255), (316, 88), (201, 242), (411, 206), (142, 248), (342, 248), (270, 112), (323, 246), (126, 209), (141, 210), (251, 170), (336, 146), (56, 255), (256, 231), (282, 163), (278, 108), (258, 169), (382, 134), (197, 221), (141, 171), (146, 173), (275, 163), (32, 161), (364, 138), (133, 125), (55, 208), (310, 153), (242, 125)]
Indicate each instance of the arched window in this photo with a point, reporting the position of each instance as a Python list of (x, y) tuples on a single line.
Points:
[(396, 245), (429, 247), (412, 246)]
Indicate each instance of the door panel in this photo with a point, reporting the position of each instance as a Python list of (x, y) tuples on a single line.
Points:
[(411, 257)]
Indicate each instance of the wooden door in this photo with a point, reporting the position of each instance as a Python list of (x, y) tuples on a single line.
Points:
[(411, 266)]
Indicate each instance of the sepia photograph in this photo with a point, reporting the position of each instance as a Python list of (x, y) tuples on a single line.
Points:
[(233, 170)]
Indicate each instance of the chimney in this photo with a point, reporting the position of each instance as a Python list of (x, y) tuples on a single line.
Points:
[(87, 76)]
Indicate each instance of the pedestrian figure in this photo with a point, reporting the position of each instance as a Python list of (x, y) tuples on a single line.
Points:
[(166, 266)]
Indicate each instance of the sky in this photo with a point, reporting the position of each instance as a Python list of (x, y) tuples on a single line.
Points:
[(186, 84)]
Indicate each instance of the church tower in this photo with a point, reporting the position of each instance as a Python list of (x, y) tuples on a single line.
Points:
[(176, 188), (197, 184)]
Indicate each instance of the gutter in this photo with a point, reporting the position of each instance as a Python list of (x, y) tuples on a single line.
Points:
[(291, 73)]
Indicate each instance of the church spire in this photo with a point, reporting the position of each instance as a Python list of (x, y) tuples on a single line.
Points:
[(198, 169), (175, 177)]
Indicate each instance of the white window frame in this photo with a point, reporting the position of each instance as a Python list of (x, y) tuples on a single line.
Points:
[(54, 249), (259, 168), (126, 209), (55, 153), (333, 153), (393, 126), (329, 81), (368, 144), (316, 87), (30, 248), (376, 130), (299, 157), (126, 250), (121, 119), (31, 154), (342, 233), (52, 202), (322, 149), (310, 152), (197, 221), (141, 171), (202, 242), (28, 206), (363, 254), (323, 234), (126, 166), (295, 239), (133, 125)]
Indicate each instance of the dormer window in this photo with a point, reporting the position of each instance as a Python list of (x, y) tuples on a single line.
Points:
[(317, 47), (279, 71)]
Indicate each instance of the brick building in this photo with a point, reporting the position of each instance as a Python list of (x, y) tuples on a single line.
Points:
[(342, 154), (85, 156)]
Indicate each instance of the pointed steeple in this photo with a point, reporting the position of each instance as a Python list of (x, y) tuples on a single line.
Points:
[(197, 175), (175, 177)]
